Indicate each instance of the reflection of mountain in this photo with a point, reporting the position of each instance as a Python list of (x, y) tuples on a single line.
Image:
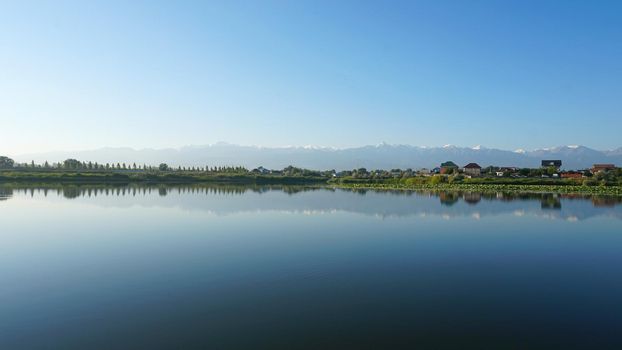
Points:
[(224, 200)]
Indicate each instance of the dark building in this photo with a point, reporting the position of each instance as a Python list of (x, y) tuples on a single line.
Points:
[(449, 167), (473, 169), (552, 163)]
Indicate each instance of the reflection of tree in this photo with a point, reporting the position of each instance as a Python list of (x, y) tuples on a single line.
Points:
[(71, 192), (5, 193), (606, 201), (549, 201), (449, 198)]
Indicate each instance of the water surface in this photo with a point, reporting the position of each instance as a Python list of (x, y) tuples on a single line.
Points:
[(289, 267)]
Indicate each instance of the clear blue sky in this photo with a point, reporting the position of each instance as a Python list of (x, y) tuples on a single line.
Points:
[(506, 74)]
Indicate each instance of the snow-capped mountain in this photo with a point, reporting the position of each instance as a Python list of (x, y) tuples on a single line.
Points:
[(383, 156)]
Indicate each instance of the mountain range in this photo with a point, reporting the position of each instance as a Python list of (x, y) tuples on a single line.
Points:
[(382, 156)]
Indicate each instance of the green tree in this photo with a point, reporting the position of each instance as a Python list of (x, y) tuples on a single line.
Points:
[(6, 162), (437, 179), (163, 167), (71, 164)]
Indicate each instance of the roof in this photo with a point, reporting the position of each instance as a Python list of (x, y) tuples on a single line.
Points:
[(472, 166), (449, 164)]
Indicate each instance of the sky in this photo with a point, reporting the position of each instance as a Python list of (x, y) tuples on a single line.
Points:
[(153, 74)]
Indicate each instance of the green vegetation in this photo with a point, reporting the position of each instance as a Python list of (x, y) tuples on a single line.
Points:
[(152, 177), (73, 171), (486, 188), (601, 183), (6, 163)]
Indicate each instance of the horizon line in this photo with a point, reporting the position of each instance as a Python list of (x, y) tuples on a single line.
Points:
[(316, 147)]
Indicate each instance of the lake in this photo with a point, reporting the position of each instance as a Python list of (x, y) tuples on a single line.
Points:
[(307, 268)]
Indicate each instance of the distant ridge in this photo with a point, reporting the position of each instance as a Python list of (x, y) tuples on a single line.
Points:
[(381, 156)]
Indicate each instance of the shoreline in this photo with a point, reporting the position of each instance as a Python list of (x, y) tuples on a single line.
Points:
[(492, 188), (171, 178)]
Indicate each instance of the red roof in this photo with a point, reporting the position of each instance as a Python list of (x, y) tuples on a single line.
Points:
[(572, 175)]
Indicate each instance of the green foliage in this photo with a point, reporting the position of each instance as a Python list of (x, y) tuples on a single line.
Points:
[(590, 182), (456, 178), (437, 179), (6, 162), (72, 164), (493, 188)]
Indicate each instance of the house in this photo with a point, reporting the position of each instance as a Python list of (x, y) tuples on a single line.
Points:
[(552, 163), (472, 169), (449, 167), (571, 175), (597, 168), (424, 171), (261, 170), (509, 169), (396, 172)]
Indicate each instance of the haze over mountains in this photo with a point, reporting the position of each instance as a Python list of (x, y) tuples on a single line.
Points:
[(382, 156)]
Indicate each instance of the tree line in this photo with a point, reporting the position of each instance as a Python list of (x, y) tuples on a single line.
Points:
[(74, 164)]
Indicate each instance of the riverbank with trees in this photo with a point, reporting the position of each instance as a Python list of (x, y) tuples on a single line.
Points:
[(72, 171)]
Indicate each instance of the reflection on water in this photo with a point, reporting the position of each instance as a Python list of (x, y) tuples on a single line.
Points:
[(270, 267), (5, 193), (229, 199)]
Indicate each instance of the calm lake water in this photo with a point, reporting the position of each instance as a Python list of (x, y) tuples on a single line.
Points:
[(295, 268)]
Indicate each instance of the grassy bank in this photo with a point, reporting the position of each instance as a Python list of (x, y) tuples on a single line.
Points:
[(99, 177), (597, 185), (547, 188), (531, 185)]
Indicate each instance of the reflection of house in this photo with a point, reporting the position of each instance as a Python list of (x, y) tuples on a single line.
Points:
[(472, 197), (449, 167), (597, 168), (552, 163), (473, 169)]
